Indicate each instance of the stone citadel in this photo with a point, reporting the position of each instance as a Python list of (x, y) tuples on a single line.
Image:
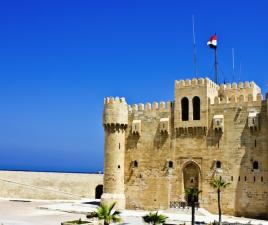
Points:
[(153, 152)]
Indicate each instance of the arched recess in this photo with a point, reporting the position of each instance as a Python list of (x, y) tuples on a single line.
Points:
[(185, 109), (196, 108), (191, 174), (98, 191)]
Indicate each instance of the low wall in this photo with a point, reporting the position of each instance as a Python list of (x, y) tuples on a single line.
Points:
[(48, 185)]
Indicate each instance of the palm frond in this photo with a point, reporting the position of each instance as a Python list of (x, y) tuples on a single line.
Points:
[(154, 218), (219, 183)]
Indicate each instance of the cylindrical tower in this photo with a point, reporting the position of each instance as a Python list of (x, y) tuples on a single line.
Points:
[(115, 120)]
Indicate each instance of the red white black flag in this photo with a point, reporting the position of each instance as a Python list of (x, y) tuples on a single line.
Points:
[(212, 43)]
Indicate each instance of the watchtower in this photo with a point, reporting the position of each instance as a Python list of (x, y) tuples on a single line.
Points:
[(115, 120), (192, 99)]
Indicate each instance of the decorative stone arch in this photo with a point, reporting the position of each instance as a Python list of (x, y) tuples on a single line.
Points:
[(98, 191), (185, 109), (191, 176)]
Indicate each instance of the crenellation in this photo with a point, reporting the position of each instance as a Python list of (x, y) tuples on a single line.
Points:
[(241, 85), (202, 81), (194, 81), (148, 106), (228, 86), (112, 100), (155, 105), (188, 82), (246, 84), (162, 105), (141, 107), (135, 107), (234, 99), (234, 85), (222, 87)]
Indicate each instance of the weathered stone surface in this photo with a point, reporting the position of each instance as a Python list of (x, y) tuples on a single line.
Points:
[(196, 150)]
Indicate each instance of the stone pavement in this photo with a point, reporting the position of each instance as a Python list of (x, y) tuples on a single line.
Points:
[(54, 212)]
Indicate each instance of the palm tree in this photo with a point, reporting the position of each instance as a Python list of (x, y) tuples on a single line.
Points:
[(219, 184), (154, 218), (104, 212), (192, 195)]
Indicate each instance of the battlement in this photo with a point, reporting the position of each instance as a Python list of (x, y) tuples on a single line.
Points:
[(196, 82), (240, 85), (210, 83), (112, 100), (240, 99), (155, 106)]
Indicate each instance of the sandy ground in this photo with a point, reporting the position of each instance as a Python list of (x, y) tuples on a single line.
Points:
[(27, 213)]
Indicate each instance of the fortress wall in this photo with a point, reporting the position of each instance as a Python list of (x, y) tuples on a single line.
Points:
[(48, 185), (152, 185), (246, 196), (146, 184)]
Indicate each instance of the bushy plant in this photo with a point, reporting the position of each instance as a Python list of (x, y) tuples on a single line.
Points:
[(106, 213), (154, 218)]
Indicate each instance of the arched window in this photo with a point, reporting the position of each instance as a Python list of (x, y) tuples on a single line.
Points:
[(218, 164), (196, 108), (135, 164), (170, 164), (185, 109), (255, 165)]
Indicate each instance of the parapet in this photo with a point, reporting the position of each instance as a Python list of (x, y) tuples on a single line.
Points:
[(115, 111), (240, 85), (195, 82), (237, 99), (155, 106)]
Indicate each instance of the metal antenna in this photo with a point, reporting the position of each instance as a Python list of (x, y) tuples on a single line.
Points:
[(194, 45), (233, 64), (240, 71)]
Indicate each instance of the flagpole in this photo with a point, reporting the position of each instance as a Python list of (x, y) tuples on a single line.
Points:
[(194, 45), (216, 66)]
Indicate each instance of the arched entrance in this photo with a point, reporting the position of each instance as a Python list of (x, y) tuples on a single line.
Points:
[(98, 191), (191, 177)]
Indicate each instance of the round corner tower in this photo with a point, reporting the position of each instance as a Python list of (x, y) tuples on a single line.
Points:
[(115, 120)]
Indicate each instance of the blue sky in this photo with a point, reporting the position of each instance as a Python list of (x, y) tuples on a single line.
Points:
[(59, 59)]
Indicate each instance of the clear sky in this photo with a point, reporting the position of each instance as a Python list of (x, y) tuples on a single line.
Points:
[(59, 59)]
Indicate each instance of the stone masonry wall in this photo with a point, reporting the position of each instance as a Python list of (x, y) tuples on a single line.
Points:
[(152, 184)]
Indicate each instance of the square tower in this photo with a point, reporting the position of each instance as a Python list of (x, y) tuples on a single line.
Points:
[(192, 99)]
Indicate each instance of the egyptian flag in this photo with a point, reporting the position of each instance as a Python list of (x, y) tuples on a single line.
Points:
[(212, 43)]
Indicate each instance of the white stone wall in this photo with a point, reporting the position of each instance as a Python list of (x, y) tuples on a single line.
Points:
[(48, 186)]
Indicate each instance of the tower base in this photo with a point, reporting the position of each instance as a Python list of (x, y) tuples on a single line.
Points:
[(120, 200)]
